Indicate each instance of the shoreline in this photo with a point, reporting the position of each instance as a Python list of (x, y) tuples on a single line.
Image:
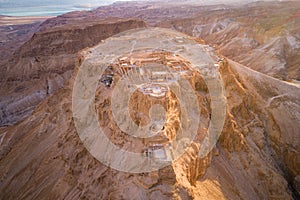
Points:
[(20, 20), (45, 10)]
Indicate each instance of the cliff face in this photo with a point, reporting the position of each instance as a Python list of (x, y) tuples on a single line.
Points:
[(45, 62), (256, 156), (261, 36), (15, 31)]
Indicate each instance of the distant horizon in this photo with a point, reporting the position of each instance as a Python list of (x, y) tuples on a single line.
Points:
[(17, 8), (37, 8)]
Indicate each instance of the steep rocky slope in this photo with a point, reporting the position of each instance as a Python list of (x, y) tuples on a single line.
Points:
[(257, 156), (43, 64), (263, 36), (15, 31)]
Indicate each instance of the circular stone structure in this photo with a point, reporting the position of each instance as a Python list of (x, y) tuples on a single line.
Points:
[(202, 59)]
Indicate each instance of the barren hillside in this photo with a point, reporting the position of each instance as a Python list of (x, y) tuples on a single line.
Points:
[(43, 64), (255, 50)]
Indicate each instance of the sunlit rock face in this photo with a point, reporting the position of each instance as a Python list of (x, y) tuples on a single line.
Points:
[(257, 153), (158, 63), (255, 157)]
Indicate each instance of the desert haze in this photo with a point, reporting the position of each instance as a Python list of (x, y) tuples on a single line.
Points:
[(254, 48)]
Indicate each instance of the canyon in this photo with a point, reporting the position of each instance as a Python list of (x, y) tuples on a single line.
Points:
[(257, 154)]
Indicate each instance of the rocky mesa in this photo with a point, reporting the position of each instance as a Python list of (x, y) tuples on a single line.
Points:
[(255, 49)]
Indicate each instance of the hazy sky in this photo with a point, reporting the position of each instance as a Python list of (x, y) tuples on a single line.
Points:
[(57, 7), (47, 7), (94, 2), (53, 2), (5, 3)]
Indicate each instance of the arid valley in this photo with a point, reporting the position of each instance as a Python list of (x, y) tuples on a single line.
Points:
[(241, 68)]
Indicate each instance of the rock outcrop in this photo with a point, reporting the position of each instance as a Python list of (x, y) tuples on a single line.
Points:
[(261, 36), (256, 156), (43, 64)]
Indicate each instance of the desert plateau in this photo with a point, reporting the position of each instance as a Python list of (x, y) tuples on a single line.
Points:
[(156, 100)]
